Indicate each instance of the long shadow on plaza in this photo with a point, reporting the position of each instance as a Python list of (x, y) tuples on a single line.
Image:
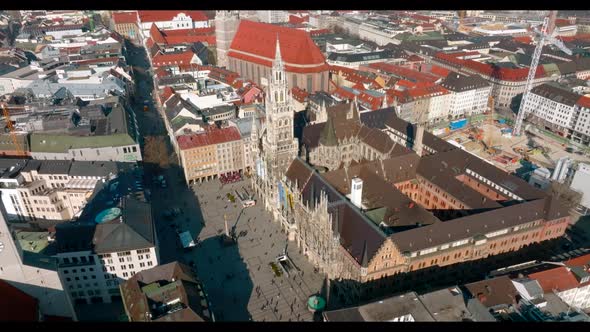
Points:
[(220, 267), (225, 278)]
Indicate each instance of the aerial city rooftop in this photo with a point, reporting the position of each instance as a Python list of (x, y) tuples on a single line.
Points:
[(271, 165)]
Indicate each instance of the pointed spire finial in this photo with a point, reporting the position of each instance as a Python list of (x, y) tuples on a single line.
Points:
[(278, 50)]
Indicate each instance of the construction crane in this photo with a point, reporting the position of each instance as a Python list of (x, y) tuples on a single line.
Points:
[(491, 105), (19, 150), (461, 17), (547, 33)]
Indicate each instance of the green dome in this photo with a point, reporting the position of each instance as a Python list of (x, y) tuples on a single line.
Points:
[(316, 303), (107, 215)]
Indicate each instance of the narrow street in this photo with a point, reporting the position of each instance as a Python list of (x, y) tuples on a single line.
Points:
[(238, 279)]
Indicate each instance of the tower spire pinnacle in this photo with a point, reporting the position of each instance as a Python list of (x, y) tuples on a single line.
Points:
[(278, 50)]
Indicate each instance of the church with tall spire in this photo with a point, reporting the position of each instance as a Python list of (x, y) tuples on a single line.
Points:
[(279, 143), (277, 146)]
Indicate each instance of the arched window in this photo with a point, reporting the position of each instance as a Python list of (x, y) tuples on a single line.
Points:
[(276, 96)]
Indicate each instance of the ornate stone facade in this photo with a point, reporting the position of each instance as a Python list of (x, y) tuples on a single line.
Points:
[(277, 145)]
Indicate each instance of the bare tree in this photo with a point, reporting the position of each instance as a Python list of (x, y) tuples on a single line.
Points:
[(156, 152), (565, 194)]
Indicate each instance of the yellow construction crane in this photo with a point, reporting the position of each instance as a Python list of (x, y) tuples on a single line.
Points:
[(461, 14), (491, 104), (19, 150)]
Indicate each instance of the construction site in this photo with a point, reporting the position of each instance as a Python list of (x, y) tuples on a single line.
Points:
[(494, 142), (506, 140)]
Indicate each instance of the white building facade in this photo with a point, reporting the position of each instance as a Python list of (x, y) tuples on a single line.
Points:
[(91, 277), (43, 283)]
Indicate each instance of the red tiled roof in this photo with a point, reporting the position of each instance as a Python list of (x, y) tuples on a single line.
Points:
[(414, 58), (299, 94), (166, 93), (566, 38), (439, 71), (125, 17), (149, 43), (560, 279), (17, 305), (222, 75), (157, 35), (403, 72), (524, 39), (168, 15), (358, 86), (584, 102), (215, 136), (183, 36), (419, 91), (582, 36), (405, 83), (293, 19), (507, 74), (254, 40), (343, 93), (582, 260), (370, 101), (420, 17), (288, 68), (561, 22), (163, 59)]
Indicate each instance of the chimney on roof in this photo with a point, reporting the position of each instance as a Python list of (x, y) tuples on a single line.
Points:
[(356, 192)]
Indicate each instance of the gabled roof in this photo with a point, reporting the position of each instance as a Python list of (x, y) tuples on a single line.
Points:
[(402, 72), (135, 231), (256, 42), (162, 59), (214, 136), (165, 283), (459, 83), (556, 280), (182, 36), (385, 310), (579, 261), (494, 292), (299, 94), (299, 172), (556, 94), (125, 17), (168, 15), (469, 226)]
